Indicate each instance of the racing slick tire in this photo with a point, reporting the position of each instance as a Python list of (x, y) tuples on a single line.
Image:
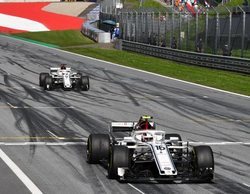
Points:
[(42, 77), (98, 148), (119, 157), (203, 163), (178, 151), (84, 83), (48, 83)]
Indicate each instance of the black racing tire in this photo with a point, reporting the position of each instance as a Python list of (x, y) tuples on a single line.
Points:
[(48, 83), (98, 148), (84, 83), (119, 157), (203, 162), (42, 77)]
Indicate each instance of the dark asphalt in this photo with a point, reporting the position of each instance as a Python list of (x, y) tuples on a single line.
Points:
[(29, 114)]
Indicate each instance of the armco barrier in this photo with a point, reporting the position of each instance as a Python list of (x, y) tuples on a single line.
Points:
[(94, 33), (200, 59)]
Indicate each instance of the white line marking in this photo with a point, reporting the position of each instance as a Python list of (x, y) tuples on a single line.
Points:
[(52, 134), (207, 87), (19, 23), (246, 184), (42, 107), (11, 106), (41, 143), (219, 143), (199, 85), (136, 188), (19, 173)]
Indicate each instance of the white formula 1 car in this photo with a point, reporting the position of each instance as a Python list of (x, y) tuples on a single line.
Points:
[(63, 77), (148, 154)]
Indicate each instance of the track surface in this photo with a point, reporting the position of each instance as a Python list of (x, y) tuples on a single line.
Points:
[(28, 114)]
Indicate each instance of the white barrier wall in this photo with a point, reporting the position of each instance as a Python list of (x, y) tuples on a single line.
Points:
[(89, 29)]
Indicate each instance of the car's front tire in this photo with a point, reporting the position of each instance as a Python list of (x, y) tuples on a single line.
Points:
[(119, 157), (203, 163), (85, 83), (48, 83), (42, 77), (98, 148)]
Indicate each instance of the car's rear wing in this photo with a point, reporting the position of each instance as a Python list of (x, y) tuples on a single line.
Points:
[(122, 126), (125, 126), (55, 69)]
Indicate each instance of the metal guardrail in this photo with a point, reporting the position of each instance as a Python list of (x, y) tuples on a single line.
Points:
[(199, 59)]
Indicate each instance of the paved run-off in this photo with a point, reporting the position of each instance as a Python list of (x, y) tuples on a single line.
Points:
[(36, 19)]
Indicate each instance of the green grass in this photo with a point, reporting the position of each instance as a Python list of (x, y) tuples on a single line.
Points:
[(230, 81), (135, 4), (151, 4)]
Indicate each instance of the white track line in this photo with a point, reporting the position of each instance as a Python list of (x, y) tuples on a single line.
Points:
[(54, 135), (136, 188), (39, 107), (246, 184), (219, 143), (207, 87), (11, 105), (41, 143), (19, 173)]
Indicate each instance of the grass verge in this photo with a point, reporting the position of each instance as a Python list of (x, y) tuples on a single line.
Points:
[(230, 81), (135, 4)]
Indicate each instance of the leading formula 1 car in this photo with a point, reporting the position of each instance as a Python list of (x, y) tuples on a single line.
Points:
[(148, 154), (64, 77)]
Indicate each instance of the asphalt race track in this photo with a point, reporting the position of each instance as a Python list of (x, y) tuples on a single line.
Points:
[(43, 133)]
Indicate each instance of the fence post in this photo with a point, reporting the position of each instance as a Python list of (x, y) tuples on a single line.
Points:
[(142, 32), (152, 29), (172, 27), (196, 27), (130, 26), (136, 26), (206, 33), (243, 30), (146, 27), (165, 32), (179, 30), (216, 31), (158, 37), (188, 32), (153, 18), (230, 28)]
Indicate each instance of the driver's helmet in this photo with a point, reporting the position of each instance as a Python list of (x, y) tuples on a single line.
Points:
[(146, 137), (144, 123), (63, 66)]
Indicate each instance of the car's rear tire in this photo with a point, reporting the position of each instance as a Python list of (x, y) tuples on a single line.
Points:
[(98, 148), (119, 157), (48, 83), (203, 163), (42, 77), (84, 83)]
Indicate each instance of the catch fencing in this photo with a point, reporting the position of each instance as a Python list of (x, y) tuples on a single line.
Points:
[(220, 31)]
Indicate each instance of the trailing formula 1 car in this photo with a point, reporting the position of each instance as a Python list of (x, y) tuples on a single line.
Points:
[(148, 154), (63, 77)]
